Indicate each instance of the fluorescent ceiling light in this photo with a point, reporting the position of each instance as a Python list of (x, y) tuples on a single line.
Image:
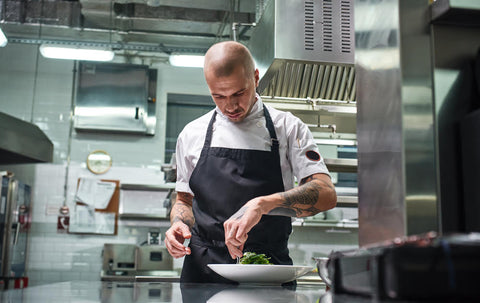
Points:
[(3, 39), (187, 60), (336, 142), (75, 52)]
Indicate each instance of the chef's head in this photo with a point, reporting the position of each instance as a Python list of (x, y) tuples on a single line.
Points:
[(232, 79)]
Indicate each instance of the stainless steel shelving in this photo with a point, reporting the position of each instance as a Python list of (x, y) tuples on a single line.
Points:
[(342, 165)]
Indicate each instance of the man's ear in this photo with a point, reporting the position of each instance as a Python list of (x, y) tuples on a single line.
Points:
[(257, 77)]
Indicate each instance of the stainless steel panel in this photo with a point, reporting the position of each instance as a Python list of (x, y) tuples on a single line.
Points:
[(114, 97), (23, 142), (119, 257), (292, 35), (153, 257), (15, 198), (396, 150)]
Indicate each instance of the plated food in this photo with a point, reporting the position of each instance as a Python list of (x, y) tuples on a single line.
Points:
[(260, 273), (253, 258)]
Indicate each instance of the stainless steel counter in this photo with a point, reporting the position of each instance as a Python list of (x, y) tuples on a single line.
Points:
[(124, 292)]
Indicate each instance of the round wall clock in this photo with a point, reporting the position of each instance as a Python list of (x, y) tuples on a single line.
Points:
[(99, 162)]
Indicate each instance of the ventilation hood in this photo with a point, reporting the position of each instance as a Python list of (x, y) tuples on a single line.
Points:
[(22, 142), (305, 49)]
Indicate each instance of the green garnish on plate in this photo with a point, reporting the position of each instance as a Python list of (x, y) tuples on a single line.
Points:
[(253, 258)]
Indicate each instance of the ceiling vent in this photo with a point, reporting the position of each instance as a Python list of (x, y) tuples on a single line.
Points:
[(307, 57)]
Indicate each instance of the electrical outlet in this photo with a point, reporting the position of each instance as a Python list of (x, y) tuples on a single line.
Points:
[(154, 238)]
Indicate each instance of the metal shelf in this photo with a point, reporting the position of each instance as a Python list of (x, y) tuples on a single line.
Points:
[(342, 165), (347, 201), (465, 13), (342, 224), (148, 187)]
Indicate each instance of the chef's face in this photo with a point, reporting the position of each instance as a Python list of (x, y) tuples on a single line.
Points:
[(234, 95)]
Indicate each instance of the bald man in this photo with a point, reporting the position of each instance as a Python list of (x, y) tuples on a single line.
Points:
[(236, 167)]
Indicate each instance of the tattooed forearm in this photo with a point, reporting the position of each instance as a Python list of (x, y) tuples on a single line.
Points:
[(302, 199), (307, 199), (182, 210)]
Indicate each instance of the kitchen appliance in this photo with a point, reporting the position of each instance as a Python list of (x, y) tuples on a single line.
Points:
[(115, 292), (119, 258), (305, 48), (15, 220), (400, 269), (133, 260), (153, 258)]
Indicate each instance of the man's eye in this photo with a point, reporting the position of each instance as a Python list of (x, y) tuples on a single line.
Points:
[(239, 94)]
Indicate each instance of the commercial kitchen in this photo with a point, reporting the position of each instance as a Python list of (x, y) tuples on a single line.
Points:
[(389, 89)]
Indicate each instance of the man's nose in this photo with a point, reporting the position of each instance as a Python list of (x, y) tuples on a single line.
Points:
[(231, 103)]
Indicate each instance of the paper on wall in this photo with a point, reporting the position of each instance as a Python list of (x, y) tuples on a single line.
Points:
[(85, 219), (95, 193)]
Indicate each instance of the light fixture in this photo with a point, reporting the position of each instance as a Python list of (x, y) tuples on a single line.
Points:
[(187, 60), (72, 52), (3, 39), (341, 142)]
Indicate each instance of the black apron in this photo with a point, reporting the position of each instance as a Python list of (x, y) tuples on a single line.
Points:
[(222, 182)]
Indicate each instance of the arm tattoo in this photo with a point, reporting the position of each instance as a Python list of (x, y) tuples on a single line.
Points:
[(301, 201), (182, 210)]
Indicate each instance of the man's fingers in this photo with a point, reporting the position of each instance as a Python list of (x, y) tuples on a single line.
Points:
[(174, 251), (235, 251), (185, 232), (174, 239)]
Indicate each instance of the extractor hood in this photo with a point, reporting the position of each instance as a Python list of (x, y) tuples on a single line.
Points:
[(305, 49), (22, 142)]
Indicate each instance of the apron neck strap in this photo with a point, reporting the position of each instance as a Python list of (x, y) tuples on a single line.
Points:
[(271, 129), (208, 137)]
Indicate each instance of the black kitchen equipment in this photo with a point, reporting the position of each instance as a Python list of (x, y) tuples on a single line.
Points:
[(415, 267)]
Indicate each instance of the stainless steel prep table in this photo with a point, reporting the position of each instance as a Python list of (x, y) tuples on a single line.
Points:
[(124, 292)]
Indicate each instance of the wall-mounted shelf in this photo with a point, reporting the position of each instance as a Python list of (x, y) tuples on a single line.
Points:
[(148, 187)]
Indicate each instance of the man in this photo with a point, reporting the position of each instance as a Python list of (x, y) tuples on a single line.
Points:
[(235, 173)]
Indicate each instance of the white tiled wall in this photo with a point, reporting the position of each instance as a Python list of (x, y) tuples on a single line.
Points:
[(46, 101)]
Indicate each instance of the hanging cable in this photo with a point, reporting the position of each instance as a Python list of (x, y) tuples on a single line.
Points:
[(35, 76)]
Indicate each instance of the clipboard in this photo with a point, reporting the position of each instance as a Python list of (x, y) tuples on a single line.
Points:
[(88, 220)]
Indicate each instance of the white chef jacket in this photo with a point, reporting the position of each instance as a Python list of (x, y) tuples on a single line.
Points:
[(295, 140)]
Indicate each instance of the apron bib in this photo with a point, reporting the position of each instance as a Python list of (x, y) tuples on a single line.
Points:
[(222, 182)]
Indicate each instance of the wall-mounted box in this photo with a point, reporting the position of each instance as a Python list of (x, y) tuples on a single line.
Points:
[(116, 98)]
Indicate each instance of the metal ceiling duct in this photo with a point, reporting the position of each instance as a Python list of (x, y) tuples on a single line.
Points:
[(23, 142), (141, 25), (305, 49)]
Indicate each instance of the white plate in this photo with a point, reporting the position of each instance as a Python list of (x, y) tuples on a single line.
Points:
[(260, 273)]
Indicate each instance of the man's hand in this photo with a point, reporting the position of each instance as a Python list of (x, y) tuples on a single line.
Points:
[(182, 220), (175, 237), (238, 226)]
